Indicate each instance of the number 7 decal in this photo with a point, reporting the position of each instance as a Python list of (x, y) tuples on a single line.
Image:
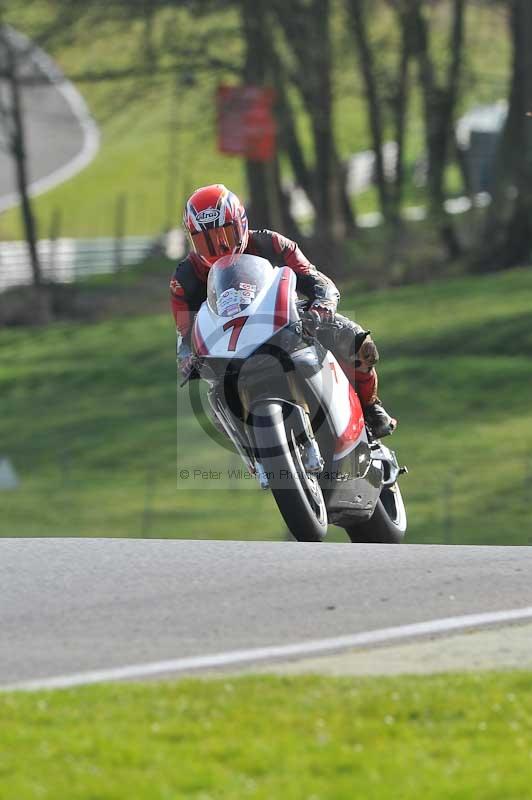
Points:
[(237, 325)]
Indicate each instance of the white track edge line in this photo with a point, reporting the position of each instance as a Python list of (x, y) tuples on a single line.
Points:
[(80, 110), (275, 652)]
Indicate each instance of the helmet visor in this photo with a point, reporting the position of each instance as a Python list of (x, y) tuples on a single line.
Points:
[(216, 242)]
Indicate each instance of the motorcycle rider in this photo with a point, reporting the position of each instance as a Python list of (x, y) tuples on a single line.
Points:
[(216, 224)]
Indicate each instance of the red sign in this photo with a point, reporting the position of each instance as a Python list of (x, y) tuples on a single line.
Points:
[(246, 125)]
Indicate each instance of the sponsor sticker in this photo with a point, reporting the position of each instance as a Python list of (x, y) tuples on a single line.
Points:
[(228, 303), (247, 293), (208, 215)]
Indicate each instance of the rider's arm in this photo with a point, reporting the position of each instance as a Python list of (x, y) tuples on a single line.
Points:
[(188, 289), (281, 250), (180, 309)]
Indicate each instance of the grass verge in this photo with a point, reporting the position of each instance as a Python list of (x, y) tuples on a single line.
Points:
[(89, 422), (457, 736)]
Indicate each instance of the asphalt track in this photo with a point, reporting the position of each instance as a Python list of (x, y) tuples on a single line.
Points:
[(86, 607), (61, 136)]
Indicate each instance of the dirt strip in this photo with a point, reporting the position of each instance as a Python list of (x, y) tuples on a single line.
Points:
[(502, 648)]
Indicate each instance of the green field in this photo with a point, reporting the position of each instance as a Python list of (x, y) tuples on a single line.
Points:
[(89, 420), (454, 737), (141, 123)]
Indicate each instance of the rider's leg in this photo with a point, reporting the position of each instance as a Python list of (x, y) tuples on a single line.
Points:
[(377, 418), (357, 354)]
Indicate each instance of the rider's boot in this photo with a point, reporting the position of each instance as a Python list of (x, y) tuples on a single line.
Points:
[(378, 420)]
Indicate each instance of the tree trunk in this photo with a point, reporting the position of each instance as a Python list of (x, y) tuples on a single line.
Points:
[(507, 239), (287, 129), (367, 68), (324, 175), (17, 148), (399, 112), (306, 28), (263, 206), (346, 202), (289, 225), (438, 103)]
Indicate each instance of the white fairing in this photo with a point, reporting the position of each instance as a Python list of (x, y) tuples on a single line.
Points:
[(333, 388), (272, 308), (238, 335)]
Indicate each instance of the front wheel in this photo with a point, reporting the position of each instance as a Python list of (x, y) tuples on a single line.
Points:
[(387, 524), (298, 495)]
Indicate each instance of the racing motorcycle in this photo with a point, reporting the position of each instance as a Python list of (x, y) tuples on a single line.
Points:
[(288, 408)]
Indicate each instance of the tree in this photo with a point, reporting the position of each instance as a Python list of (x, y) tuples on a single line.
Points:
[(439, 102), (386, 92), (307, 57), (398, 101), (366, 60), (13, 128), (263, 206), (507, 239), (152, 59)]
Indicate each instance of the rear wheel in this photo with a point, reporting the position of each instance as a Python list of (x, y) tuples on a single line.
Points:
[(387, 525), (298, 494)]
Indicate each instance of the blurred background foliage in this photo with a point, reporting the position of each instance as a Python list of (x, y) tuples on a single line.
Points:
[(349, 76)]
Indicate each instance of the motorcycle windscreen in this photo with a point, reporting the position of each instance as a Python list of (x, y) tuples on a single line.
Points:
[(235, 281)]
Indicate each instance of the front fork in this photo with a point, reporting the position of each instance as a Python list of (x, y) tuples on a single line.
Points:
[(305, 439), (223, 422), (312, 458)]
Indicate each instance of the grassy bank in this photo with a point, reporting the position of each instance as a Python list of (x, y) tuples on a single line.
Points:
[(89, 422), (438, 737)]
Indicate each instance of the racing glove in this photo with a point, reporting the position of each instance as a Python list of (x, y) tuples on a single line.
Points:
[(325, 302), (323, 309), (185, 359)]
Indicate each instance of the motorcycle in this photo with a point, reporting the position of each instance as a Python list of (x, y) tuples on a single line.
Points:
[(288, 408)]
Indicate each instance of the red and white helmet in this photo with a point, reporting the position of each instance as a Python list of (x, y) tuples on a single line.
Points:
[(216, 223)]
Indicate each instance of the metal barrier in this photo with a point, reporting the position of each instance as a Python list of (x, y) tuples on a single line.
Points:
[(67, 260)]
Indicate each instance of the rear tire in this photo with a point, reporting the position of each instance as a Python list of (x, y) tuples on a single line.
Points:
[(387, 525), (297, 494)]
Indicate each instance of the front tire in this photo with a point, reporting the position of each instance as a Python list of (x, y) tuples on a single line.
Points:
[(388, 523), (297, 494)]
